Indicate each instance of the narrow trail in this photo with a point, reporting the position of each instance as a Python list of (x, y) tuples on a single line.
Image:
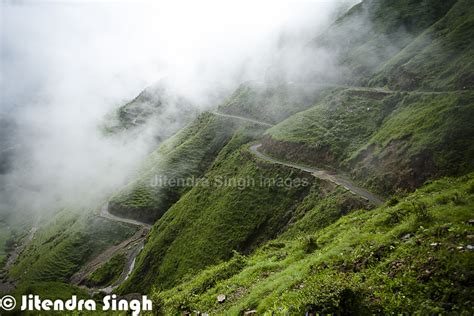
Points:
[(242, 119), (362, 88), (104, 212), (8, 285), (131, 246), (325, 175), (331, 176), (23, 244)]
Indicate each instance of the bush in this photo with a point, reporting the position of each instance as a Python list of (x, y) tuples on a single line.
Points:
[(420, 209), (309, 244)]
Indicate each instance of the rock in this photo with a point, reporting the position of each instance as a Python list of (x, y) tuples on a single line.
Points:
[(435, 244), (407, 236), (470, 247), (470, 236), (251, 312), (470, 222), (221, 298)]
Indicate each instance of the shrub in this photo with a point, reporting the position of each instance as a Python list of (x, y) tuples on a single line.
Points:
[(309, 244)]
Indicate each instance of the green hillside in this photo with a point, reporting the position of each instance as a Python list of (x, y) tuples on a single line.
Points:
[(441, 58), (258, 201), (213, 219), (389, 141), (373, 32), (272, 103), (408, 256), (63, 244), (157, 104), (186, 155)]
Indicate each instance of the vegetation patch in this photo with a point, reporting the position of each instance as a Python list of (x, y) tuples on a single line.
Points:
[(366, 262), (396, 142), (441, 58), (109, 272), (187, 155), (64, 244), (233, 211), (272, 103)]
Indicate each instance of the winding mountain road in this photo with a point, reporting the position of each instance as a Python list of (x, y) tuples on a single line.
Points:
[(331, 176), (104, 212), (361, 88), (325, 175), (131, 246), (242, 119)]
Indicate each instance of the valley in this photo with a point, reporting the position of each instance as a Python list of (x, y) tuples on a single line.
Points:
[(342, 186)]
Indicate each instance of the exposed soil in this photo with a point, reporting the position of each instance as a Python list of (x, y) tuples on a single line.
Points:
[(390, 170)]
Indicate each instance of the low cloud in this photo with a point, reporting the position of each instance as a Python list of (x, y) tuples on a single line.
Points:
[(66, 65)]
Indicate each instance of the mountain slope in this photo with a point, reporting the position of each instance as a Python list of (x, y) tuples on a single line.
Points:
[(441, 58), (355, 129), (159, 104), (64, 243), (187, 154), (271, 103), (408, 256), (389, 141), (373, 32), (283, 240), (237, 210)]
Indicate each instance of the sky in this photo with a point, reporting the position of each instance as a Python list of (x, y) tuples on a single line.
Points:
[(66, 64)]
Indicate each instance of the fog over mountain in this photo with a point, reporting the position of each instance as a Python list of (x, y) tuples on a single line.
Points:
[(66, 65), (238, 157)]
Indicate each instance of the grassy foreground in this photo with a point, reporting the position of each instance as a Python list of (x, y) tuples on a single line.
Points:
[(410, 255)]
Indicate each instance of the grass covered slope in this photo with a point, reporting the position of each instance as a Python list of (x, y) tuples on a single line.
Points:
[(408, 256), (157, 103), (388, 141), (14, 227), (107, 273), (187, 154), (373, 32), (441, 58), (271, 103), (329, 131), (425, 137), (64, 244), (276, 239), (212, 220)]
